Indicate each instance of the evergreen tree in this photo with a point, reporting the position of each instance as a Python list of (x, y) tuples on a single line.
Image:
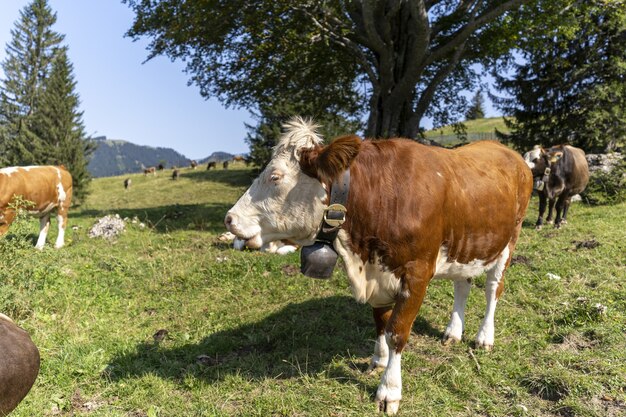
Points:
[(572, 86), (476, 109), (29, 57), (58, 123)]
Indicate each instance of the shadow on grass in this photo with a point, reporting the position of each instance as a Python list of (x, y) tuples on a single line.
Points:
[(301, 339), (165, 219), (233, 177)]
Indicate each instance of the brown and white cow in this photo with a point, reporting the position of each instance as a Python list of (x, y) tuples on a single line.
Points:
[(414, 213), (151, 170), (47, 187), (19, 364), (560, 172)]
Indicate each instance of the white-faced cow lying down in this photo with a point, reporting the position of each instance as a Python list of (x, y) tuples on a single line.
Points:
[(19, 364), (414, 213), (560, 172), (47, 187), (278, 247)]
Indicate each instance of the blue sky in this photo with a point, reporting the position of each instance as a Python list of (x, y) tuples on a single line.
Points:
[(147, 104), (124, 98)]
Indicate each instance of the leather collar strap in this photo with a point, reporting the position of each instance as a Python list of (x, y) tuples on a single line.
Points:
[(335, 213)]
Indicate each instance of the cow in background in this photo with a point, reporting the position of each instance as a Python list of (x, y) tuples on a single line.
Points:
[(559, 173), (161, 167), (19, 364), (151, 170), (225, 164), (193, 164), (175, 174), (127, 183), (413, 213), (210, 165), (46, 187)]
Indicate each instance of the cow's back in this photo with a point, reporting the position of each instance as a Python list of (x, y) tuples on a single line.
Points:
[(576, 169), (412, 199), (42, 185), (19, 364)]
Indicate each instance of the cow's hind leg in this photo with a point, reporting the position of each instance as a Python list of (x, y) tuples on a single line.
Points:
[(560, 208), (454, 331), (493, 289), (44, 227), (542, 210), (381, 350), (551, 202), (414, 280)]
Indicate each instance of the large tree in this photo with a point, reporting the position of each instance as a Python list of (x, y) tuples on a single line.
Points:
[(59, 125), (40, 120), (29, 58), (569, 82), (400, 60)]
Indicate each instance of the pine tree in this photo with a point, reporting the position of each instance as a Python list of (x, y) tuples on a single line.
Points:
[(571, 87), (58, 123), (28, 62), (476, 109)]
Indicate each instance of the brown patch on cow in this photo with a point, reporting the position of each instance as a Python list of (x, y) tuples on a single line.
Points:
[(290, 270), (586, 244), (326, 162)]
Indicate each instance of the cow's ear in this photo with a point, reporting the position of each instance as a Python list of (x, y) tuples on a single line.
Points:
[(326, 162)]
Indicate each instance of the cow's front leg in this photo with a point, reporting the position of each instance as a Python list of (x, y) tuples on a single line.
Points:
[(560, 204), (551, 202), (454, 331), (381, 350), (44, 227), (414, 280)]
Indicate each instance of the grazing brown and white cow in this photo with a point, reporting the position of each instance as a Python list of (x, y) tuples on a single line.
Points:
[(414, 213), (47, 187), (193, 164), (560, 172), (19, 364), (151, 170)]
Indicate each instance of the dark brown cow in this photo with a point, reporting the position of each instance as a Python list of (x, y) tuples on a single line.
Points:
[(414, 213), (175, 174), (193, 164), (161, 167), (46, 187), (19, 364), (560, 172), (211, 164), (127, 183), (225, 164)]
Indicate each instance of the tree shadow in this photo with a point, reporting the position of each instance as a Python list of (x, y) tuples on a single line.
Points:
[(232, 177), (164, 219), (301, 339)]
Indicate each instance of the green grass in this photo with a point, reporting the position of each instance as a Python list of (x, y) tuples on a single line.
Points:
[(476, 130), (248, 336)]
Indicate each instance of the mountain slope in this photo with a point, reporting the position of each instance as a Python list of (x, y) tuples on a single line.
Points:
[(117, 157)]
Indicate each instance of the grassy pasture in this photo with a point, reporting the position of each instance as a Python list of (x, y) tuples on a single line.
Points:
[(246, 335)]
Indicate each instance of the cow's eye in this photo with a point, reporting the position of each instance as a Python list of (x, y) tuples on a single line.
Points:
[(275, 177)]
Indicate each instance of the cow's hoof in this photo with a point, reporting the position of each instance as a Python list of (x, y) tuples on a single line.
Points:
[(449, 339), (557, 226), (548, 221), (388, 407), (538, 227), (377, 364), (484, 345)]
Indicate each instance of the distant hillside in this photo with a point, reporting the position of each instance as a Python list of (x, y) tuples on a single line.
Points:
[(476, 130), (217, 157), (117, 157)]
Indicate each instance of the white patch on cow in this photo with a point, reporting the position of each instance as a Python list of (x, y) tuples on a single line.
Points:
[(61, 192), (11, 170), (61, 236), (380, 359), (285, 249), (370, 283), (239, 244), (458, 271), (531, 155), (486, 333), (44, 226), (454, 331), (389, 391)]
